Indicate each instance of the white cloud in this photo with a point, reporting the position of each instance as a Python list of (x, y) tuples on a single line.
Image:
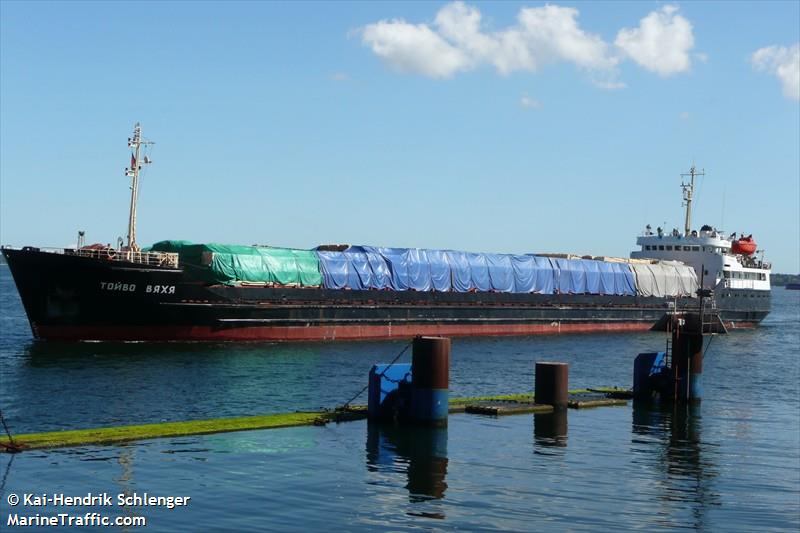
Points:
[(460, 24), (414, 48), (457, 41), (541, 35), (661, 43), (553, 33), (784, 63), (526, 102)]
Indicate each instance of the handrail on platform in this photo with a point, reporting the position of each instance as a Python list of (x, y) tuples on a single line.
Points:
[(162, 259)]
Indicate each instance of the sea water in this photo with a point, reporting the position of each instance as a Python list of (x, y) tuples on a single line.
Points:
[(730, 464)]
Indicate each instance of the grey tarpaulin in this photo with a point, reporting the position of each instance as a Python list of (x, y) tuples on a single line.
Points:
[(665, 279)]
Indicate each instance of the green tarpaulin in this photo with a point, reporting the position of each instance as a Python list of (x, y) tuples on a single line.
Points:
[(231, 263)]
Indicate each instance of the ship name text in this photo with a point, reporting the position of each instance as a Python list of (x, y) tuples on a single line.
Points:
[(131, 287)]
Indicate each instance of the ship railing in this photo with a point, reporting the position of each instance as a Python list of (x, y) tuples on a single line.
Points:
[(749, 262), (157, 259)]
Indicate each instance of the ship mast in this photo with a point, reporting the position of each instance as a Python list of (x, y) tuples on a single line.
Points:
[(136, 142), (688, 196)]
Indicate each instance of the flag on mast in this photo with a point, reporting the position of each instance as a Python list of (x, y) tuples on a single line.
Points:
[(133, 162)]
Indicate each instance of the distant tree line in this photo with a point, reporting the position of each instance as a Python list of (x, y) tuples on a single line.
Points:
[(784, 279)]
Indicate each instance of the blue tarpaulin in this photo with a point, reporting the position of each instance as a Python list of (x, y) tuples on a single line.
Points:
[(545, 275), (360, 274), (584, 276), (460, 273), (524, 273), (501, 273), (400, 269), (396, 264), (381, 273), (570, 276), (335, 270), (441, 271), (594, 279), (419, 269), (479, 269), (624, 281)]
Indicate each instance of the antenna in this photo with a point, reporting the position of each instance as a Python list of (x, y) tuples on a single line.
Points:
[(688, 195), (136, 142)]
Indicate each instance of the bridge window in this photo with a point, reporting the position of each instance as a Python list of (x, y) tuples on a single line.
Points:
[(695, 248), (669, 248), (687, 248), (660, 246)]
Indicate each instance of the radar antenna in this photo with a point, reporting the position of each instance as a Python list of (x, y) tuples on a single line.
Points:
[(688, 196), (136, 142)]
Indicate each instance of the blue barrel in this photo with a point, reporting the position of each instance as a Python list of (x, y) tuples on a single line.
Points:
[(430, 395), (647, 367), (384, 390)]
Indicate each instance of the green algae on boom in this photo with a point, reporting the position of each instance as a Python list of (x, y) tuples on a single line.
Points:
[(119, 434)]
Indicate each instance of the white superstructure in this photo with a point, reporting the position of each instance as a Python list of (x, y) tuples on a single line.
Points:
[(711, 253)]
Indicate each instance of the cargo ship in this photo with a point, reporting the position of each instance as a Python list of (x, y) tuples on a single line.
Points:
[(182, 291)]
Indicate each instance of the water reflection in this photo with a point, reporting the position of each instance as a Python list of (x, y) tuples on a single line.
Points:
[(68, 385), (689, 472), (44, 353), (550, 430), (125, 479), (420, 452)]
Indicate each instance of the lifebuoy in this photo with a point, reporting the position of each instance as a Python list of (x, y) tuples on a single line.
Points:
[(111, 253)]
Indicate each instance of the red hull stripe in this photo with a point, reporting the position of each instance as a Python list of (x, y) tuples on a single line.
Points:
[(319, 333), (328, 333)]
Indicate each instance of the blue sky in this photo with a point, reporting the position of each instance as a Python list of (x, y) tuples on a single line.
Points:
[(560, 128)]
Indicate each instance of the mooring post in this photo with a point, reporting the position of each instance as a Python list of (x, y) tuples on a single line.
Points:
[(696, 366), (552, 384), (687, 357), (430, 368)]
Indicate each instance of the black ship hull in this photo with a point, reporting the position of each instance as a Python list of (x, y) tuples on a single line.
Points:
[(69, 297)]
